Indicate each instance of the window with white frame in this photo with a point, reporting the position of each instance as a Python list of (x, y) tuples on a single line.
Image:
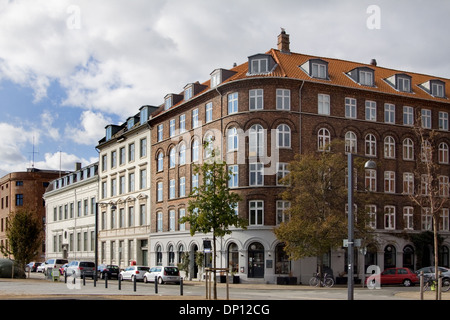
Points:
[(371, 180), (232, 139), (443, 120), (443, 153), (283, 136), (159, 221), (194, 183), (160, 162), (444, 220), (181, 214), (282, 172), (371, 145), (195, 150), (172, 189), (256, 174), (182, 154), (195, 122), (283, 99), (256, 212), (389, 113), (443, 186), (171, 220), (143, 147), (182, 123), (389, 217), (182, 186), (437, 90), (168, 103), (232, 103), (350, 142), (171, 127), (426, 118), (131, 182), (426, 151), (159, 191), (256, 97), (256, 140), (408, 149), (208, 112), (408, 218), (403, 84), (389, 181), (233, 171), (427, 219), (282, 207), (366, 78), (408, 116), (323, 140), (350, 108), (259, 66), (215, 79), (160, 133), (319, 70), (425, 183), (172, 157), (389, 147), (323, 104), (371, 210), (188, 93), (371, 111), (408, 183)]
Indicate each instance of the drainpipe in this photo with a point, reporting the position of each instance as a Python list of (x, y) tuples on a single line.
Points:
[(300, 116)]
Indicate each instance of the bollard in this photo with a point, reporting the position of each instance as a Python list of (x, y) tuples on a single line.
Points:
[(106, 280), (65, 277), (156, 285), (119, 282), (95, 279), (181, 286), (84, 279), (134, 283)]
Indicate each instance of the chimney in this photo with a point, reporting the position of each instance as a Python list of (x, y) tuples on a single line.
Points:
[(373, 62), (77, 166), (283, 42)]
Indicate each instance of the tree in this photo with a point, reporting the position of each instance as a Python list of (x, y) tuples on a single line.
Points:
[(431, 194), (24, 233), (212, 205), (316, 221)]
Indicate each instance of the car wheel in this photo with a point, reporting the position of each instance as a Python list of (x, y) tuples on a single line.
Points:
[(145, 279), (407, 283), (120, 277), (160, 280)]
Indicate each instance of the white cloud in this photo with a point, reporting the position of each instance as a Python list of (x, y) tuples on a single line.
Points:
[(91, 129)]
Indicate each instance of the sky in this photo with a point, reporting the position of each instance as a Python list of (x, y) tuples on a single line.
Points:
[(68, 68)]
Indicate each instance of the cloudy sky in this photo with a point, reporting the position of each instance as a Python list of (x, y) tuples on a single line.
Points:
[(70, 67)]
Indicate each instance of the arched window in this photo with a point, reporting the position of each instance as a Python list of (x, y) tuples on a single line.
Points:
[(350, 142), (390, 257), (160, 164), (256, 140), (389, 147), (172, 158), (209, 146), (233, 258), (323, 140), (171, 256), (158, 256), (180, 253), (408, 149), (182, 154), (443, 153), (371, 145), (282, 262), (283, 136), (408, 257), (195, 150), (232, 139)]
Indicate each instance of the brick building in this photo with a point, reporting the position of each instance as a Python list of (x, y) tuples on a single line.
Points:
[(259, 115), (24, 190)]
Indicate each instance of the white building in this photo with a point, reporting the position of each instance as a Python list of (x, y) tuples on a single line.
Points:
[(124, 192), (70, 214)]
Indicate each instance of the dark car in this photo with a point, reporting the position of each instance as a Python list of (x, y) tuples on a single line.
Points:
[(404, 276), (108, 269), (32, 266)]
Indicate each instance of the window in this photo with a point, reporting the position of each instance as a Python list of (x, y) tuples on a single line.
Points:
[(426, 152), (366, 78), (113, 159), (408, 221), (350, 142), (171, 220), (159, 220), (282, 207), (324, 104), (181, 214), (160, 133), (188, 93), (323, 140), (122, 158), (195, 150), (443, 186), (159, 192), (283, 99), (172, 189), (426, 118), (389, 217), (259, 66), (130, 216), (437, 89), (408, 149), (371, 180), (256, 174), (283, 136), (443, 121), (182, 154), (143, 147), (443, 153), (256, 212), (319, 70), (168, 103), (389, 181), (160, 162), (232, 103), (408, 183), (131, 182), (121, 184), (143, 179), (182, 123), (371, 145), (350, 108), (232, 144), (444, 220), (282, 171), (256, 141), (182, 189), (215, 79), (19, 200), (427, 219), (195, 122), (403, 84), (256, 97), (389, 113), (408, 116), (233, 172), (171, 127), (208, 112), (172, 157), (371, 111), (372, 213), (143, 115), (208, 145), (389, 147), (104, 162)]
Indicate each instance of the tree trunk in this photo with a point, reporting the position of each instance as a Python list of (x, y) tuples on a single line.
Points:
[(436, 254), (214, 267)]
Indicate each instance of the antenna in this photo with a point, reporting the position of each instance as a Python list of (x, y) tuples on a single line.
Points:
[(33, 153)]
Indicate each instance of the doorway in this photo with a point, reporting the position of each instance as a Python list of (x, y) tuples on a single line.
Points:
[(256, 260)]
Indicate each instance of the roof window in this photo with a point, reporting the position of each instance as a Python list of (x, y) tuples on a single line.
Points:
[(260, 64), (363, 75), (316, 68)]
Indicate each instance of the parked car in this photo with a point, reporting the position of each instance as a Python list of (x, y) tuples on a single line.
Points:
[(78, 268), (429, 272), (32, 266), (404, 276), (163, 274), (133, 271), (41, 268), (54, 264), (63, 269), (108, 269)]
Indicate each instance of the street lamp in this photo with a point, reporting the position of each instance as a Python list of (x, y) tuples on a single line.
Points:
[(368, 165)]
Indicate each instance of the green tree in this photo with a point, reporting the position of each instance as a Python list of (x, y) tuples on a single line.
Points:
[(317, 219), (24, 233), (212, 205)]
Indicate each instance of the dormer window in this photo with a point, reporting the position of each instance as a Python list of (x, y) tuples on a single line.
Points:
[(316, 68), (220, 75), (260, 64), (400, 82), (363, 75), (143, 115), (188, 93), (215, 78), (168, 102), (111, 130), (130, 123), (436, 88)]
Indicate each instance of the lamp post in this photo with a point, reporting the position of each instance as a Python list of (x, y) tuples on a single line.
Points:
[(368, 165), (96, 238)]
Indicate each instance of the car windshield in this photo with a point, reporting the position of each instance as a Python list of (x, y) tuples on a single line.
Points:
[(171, 271)]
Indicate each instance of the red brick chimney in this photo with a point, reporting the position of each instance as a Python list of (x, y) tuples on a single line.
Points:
[(283, 42)]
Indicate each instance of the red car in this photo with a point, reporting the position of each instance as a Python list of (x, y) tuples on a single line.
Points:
[(404, 276)]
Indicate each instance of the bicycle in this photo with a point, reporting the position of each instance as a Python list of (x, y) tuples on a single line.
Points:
[(316, 281), (429, 283)]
